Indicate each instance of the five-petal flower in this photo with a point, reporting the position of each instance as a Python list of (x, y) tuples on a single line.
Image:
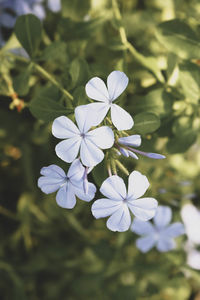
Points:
[(160, 234), (96, 89), (90, 143), (118, 201), (68, 186)]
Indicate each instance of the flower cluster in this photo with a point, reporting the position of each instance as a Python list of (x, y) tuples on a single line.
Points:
[(11, 9), (101, 125)]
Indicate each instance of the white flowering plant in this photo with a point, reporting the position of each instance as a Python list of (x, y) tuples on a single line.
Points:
[(99, 139)]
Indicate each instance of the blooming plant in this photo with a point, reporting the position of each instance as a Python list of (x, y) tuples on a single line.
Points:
[(90, 142), (94, 94)]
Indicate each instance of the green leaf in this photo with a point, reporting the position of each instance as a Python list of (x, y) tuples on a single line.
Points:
[(179, 38), (157, 101), (21, 82), (146, 123), (45, 105), (79, 72), (150, 63), (99, 173), (28, 30), (50, 53), (190, 80), (75, 9), (71, 30), (185, 135), (80, 97)]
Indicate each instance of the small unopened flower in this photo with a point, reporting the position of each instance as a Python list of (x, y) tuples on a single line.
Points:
[(90, 143), (118, 201), (134, 141), (96, 89), (67, 186), (159, 234)]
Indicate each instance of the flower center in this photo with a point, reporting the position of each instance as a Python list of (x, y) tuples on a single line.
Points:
[(82, 135)]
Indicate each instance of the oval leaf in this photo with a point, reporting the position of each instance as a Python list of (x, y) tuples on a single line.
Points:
[(28, 30), (179, 38), (146, 123)]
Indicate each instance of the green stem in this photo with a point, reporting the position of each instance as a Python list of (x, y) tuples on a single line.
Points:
[(4, 211), (145, 61), (45, 74), (52, 80)]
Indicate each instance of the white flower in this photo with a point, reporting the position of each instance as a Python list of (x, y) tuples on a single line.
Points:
[(118, 202), (68, 186), (191, 219), (96, 89), (160, 234), (89, 142)]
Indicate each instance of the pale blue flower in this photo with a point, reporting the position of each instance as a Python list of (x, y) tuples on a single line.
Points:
[(89, 142), (159, 234), (68, 186), (118, 201), (96, 89)]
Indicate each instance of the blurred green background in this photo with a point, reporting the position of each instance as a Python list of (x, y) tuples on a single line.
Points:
[(50, 253)]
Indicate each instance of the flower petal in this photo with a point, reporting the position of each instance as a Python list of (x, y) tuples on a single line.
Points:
[(193, 259), (102, 137), (137, 185), (76, 171), (114, 188), (54, 5), (174, 230), (104, 207), (53, 177), (141, 227), (143, 208), (191, 218), (165, 244), (97, 90), (117, 82), (155, 155), (120, 118), (48, 185), (39, 11), (163, 216), (79, 192), (53, 171), (131, 140), (100, 109), (65, 197), (67, 150), (85, 117), (124, 151), (64, 128), (133, 155), (7, 20), (90, 154), (146, 243), (120, 220)]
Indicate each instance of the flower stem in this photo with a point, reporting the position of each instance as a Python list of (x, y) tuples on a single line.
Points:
[(52, 80), (45, 74), (121, 167), (145, 61)]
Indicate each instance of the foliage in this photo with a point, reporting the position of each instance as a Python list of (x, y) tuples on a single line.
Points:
[(51, 253)]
